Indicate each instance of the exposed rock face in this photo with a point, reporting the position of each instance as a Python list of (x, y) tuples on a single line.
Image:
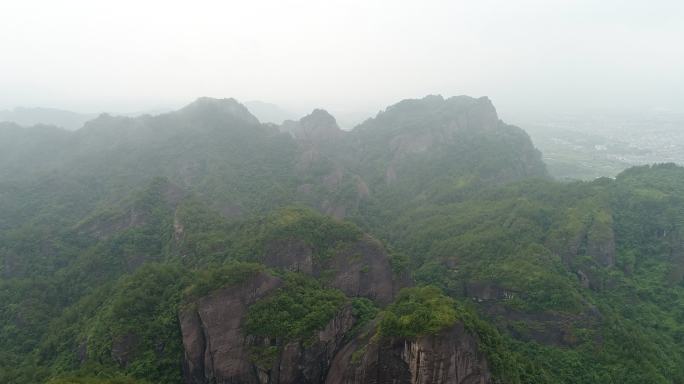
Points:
[(601, 243), (417, 126), (291, 254), (481, 291), (316, 128), (123, 347), (555, 328), (437, 129), (219, 351), (583, 279), (596, 238), (364, 270), (216, 351), (547, 327), (450, 357), (316, 134), (300, 362), (360, 270), (324, 147)]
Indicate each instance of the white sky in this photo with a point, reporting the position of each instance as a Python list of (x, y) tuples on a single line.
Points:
[(122, 55)]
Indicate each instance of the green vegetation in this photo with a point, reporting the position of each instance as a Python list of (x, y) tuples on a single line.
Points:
[(106, 233), (363, 310), (323, 234), (134, 327), (295, 311), (566, 228), (219, 276), (417, 312)]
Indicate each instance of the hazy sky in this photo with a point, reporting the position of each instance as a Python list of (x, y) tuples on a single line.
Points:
[(125, 55)]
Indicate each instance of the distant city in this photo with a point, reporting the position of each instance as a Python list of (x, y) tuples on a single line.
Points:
[(590, 146)]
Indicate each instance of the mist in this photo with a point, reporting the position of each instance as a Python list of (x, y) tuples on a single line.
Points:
[(341, 192), (350, 57)]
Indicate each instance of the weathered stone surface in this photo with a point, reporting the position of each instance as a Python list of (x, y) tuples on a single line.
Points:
[(123, 347), (364, 270), (547, 327), (216, 350), (486, 290), (291, 254), (301, 362), (450, 357), (601, 243), (360, 270)]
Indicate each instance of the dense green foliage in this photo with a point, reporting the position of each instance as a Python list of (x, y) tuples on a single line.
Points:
[(107, 232), (416, 312), (626, 327), (295, 311), (323, 234), (217, 276)]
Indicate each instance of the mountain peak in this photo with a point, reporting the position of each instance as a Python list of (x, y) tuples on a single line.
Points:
[(317, 126), (463, 112), (319, 119), (228, 107)]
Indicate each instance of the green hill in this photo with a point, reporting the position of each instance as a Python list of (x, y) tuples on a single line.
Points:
[(202, 246)]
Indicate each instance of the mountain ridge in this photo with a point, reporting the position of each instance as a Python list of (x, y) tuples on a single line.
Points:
[(430, 233)]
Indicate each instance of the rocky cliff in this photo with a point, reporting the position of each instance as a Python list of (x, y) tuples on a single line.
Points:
[(450, 357), (216, 350), (220, 349), (448, 134), (360, 269)]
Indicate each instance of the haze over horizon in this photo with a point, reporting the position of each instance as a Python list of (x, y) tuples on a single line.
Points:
[(341, 192), (349, 56)]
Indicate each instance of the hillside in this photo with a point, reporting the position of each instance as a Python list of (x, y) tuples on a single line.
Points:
[(426, 245)]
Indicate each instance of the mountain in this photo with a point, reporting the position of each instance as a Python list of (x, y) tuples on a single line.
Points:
[(426, 245), (46, 116)]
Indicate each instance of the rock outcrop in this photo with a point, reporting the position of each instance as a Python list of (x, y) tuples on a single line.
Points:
[(449, 357), (324, 148), (595, 237), (601, 242), (362, 269), (314, 129), (225, 109), (451, 132), (316, 134), (487, 290), (305, 362), (217, 349)]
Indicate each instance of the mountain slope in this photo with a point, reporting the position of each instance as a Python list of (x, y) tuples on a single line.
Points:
[(202, 246)]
